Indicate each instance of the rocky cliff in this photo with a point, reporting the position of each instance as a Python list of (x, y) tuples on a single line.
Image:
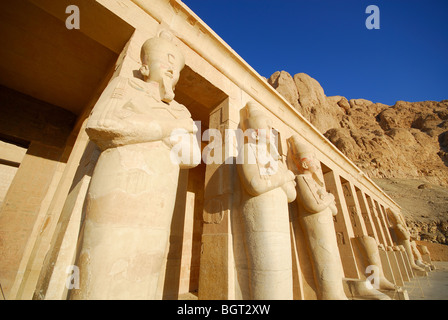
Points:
[(403, 147)]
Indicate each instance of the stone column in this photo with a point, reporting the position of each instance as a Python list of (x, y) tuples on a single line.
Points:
[(385, 224), (354, 209), (395, 266), (376, 222), (367, 214), (402, 265), (216, 275), (343, 226)]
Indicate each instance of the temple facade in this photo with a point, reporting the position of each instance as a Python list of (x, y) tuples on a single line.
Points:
[(67, 231)]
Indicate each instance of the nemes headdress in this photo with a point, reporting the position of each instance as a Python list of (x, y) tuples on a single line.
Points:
[(161, 47), (299, 149), (395, 216), (253, 116)]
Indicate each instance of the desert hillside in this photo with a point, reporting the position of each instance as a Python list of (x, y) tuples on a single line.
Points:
[(403, 148)]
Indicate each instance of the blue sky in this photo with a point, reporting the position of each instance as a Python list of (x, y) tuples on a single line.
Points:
[(406, 59)]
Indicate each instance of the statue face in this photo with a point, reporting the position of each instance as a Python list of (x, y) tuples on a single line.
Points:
[(311, 164), (262, 127), (161, 63), (265, 133), (314, 165), (164, 72)]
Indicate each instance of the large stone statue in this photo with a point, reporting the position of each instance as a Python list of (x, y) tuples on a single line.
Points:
[(268, 187), (426, 255), (316, 209), (418, 257), (403, 236), (132, 193), (371, 257)]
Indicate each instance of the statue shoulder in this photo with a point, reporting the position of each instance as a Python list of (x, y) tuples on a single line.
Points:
[(179, 110), (123, 87)]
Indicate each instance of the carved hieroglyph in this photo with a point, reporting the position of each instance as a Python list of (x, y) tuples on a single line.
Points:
[(133, 188), (316, 209), (268, 186), (403, 236)]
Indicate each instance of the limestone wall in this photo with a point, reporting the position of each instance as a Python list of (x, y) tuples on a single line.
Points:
[(44, 129)]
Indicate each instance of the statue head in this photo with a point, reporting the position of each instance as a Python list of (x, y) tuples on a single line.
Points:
[(369, 243), (162, 62), (423, 249), (395, 217), (259, 125), (303, 156)]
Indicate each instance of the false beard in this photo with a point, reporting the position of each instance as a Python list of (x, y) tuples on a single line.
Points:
[(166, 91), (317, 178)]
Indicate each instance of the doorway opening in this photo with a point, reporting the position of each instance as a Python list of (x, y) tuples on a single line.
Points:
[(182, 269)]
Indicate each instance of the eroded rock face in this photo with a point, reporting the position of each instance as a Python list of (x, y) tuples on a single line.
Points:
[(284, 84), (308, 97), (435, 231), (406, 140)]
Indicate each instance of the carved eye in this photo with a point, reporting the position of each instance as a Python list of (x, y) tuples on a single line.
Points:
[(171, 58)]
